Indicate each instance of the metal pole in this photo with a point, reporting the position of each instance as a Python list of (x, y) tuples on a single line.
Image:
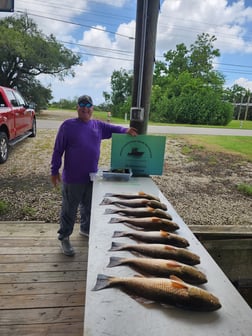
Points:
[(142, 50), (145, 45)]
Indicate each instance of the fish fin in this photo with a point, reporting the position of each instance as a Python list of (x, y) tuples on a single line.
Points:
[(139, 276), (116, 246), (173, 263), (137, 254), (179, 284), (149, 196), (164, 233), (106, 201), (142, 300), (110, 211), (133, 226), (169, 247), (156, 219), (118, 234), (102, 281), (177, 279), (115, 261)]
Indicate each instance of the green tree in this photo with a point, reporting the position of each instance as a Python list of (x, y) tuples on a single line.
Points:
[(27, 53), (121, 87), (186, 87)]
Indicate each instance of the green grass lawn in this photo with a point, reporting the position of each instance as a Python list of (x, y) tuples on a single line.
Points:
[(241, 145)]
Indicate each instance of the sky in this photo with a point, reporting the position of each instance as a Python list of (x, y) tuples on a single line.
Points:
[(102, 32)]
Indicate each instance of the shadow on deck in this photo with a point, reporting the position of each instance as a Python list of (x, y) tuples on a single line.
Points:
[(42, 292)]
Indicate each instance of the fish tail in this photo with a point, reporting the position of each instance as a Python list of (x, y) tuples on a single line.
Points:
[(109, 211), (118, 234), (108, 195), (106, 201), (114, 220), (102, 281), (114, 261), (116, 246)]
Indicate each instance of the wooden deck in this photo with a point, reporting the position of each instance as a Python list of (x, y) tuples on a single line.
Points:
[(42, 292)]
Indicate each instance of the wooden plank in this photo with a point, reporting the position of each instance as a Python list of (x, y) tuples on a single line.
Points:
[(207, 232), (42, 315), (43, 267), (33, 229), (42, 291), (35, 250), (41, 300), (42, 288), (40, 258), (46, 329), (24, 242), (42, 277), (22, 229)]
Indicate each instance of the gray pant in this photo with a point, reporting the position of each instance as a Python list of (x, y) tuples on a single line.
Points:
[(73, 196)]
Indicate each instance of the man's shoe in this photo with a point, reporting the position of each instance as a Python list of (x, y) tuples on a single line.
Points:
[(67, 248), (84, 233)]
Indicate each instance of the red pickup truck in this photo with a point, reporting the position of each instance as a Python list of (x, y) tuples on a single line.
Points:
[(17, 120)]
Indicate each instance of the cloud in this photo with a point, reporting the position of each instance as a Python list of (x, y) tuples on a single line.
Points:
[(181, 21), (244, 82)]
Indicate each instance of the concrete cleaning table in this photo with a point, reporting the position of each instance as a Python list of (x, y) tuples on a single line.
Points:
[(111, 312)]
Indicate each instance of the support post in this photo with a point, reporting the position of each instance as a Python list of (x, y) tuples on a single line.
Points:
[(144, 58)]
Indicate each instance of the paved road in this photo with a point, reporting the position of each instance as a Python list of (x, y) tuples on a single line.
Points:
[(54, 124)]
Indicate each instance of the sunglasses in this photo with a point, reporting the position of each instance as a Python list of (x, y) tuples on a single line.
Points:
[(85, 105)]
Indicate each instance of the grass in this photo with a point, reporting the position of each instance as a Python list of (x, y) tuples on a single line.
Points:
[(60, 114), (241, 145), (245, 188), (4, 207)]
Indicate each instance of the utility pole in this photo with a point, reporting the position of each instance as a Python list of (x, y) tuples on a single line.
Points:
[(144, 58), (247, 106)]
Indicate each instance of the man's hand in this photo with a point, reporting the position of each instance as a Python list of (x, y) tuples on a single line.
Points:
[(132, 131), (55, 179)]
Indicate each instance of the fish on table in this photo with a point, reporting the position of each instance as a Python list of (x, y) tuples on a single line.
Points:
[(140, 212), (135, 203), (171, 291), (161, 268), (159, 251), (147, 223), (139, 194), (152, 237)]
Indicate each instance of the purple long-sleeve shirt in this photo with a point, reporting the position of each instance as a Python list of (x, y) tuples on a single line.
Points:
[(80, 143)]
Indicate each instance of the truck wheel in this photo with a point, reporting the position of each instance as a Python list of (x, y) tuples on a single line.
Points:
[(33, 129), (4, 148)]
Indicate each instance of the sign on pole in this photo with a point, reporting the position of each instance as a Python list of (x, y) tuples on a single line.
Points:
[(143, 154)]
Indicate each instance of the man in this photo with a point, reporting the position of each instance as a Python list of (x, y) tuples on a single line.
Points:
[(79, 139)]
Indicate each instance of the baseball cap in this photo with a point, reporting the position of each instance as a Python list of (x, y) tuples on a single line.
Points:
[(85, 99)]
